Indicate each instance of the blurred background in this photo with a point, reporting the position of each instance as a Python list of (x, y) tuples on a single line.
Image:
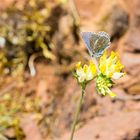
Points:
[(40, 43)]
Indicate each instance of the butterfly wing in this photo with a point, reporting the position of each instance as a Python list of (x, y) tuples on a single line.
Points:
[(86, 38), (93, 43), (99, 43)]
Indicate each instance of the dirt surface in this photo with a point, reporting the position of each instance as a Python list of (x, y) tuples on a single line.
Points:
[(109, 127), (101, 118)]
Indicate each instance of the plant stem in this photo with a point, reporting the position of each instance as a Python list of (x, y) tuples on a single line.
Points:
[(77, 114), (96, 63), (74, 12)]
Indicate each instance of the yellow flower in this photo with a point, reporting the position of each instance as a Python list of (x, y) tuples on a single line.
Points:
[(85, 73), (111, 66), (103, 83)]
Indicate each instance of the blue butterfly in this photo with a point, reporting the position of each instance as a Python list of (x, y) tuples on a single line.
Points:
[(96, 43)]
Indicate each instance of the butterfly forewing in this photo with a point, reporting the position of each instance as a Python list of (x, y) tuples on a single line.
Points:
[(93, 41), (86, 38)]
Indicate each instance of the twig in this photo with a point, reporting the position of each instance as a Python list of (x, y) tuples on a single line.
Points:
[(74, 12), (125, 98), (31, 63), (8, 88)]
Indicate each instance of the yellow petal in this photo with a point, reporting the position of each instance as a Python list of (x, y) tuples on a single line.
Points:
[(92, 67), (78, 65), (111, 93), (103, 57), (102, 68), (110, 65)]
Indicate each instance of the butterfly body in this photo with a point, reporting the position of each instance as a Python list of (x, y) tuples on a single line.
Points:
[(96, 43)]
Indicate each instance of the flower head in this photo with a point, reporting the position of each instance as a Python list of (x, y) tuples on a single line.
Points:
[(103, 83), (111, 66), (85, 73)]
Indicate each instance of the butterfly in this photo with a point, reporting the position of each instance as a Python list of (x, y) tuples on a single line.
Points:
[(96, 43)]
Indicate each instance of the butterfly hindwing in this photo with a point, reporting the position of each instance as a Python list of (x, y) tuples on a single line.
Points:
[(99, 42), (93, 42)]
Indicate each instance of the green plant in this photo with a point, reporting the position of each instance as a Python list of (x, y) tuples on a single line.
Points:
[(23, 32), (8, 116), (104, 72)]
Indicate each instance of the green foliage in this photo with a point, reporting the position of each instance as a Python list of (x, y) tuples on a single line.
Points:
[(8, 118), (24, 31), (12, 108)]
